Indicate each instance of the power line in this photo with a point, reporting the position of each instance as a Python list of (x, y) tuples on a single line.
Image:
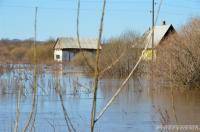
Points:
[(73, 9), (166, 5), (161, 1)]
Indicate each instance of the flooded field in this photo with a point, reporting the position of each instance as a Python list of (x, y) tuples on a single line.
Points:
[(138, 108)]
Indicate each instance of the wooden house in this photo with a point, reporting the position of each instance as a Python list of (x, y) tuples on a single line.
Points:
[(66, 48), (160, 34)]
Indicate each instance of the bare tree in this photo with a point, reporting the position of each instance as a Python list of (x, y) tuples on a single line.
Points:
[(96, 80), (33, 110), (78, 37)]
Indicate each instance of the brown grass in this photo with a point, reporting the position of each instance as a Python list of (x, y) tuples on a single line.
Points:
[(22, 51)]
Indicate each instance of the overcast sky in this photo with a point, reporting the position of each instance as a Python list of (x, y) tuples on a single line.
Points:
[(57, 18)]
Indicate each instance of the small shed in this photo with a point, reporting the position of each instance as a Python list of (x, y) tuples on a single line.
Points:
[(66, 48)]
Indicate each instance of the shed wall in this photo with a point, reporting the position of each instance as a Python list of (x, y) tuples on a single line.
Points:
[(58, 55)]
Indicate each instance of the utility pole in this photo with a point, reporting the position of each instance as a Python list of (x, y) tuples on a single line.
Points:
[(152, 28), (153, 2)]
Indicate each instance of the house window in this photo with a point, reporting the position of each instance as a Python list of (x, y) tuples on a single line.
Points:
[(57, 56)]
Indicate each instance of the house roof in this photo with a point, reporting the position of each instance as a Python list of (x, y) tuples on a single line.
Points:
[(72, 43), (159, 33)]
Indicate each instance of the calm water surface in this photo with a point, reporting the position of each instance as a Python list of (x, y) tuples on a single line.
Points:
[(136, 109)]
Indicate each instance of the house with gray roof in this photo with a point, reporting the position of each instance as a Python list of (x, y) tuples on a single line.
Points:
[(66, 48), (161, 32)]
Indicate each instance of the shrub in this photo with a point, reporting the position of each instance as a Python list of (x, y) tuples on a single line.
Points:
[(120, 49), (18, 53), (80, 60), (178, 60)]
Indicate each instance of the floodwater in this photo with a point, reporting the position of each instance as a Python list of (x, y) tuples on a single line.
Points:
[(138, 108)]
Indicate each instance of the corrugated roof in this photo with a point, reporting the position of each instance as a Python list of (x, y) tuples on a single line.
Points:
[(72, 43), (159, 33)]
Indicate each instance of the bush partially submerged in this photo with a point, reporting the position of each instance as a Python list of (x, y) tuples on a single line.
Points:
[(178, 59), (83, 60), (120, 52)]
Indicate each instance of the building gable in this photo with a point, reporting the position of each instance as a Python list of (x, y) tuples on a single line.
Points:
[(160, 33)]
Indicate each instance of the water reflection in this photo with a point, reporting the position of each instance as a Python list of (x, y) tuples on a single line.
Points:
[(134, 110)]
